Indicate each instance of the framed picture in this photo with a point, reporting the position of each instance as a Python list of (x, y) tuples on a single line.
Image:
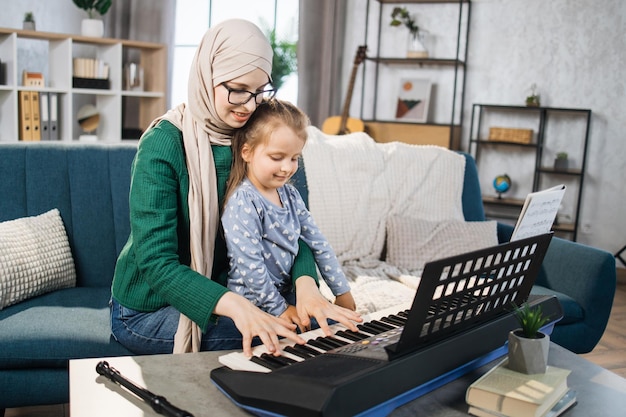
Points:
[(413, 100)]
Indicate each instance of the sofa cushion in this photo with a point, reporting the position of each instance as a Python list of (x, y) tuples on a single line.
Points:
[(47, 331), (411, 243), (572, 311), (35, 257)]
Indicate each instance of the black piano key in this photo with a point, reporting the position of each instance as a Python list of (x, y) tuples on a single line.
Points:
[(382, 325), (307, 349), (350, 335), (370, 328), (333, 341), (299, 353), (398, 317), (393, 321), (366, 328), (320, 344), (279, 359), (404, 313), (266, 363)]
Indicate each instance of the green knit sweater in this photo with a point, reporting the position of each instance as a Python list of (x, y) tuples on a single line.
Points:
[(152, 270)]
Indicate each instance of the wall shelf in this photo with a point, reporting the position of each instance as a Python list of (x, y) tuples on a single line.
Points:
[(445, 68)]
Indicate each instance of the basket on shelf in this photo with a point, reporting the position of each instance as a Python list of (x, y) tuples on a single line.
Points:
[(506, 134)]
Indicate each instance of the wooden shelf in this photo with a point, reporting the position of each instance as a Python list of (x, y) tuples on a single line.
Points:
[(56, 64)]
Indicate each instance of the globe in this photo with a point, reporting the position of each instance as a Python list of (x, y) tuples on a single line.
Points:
[(502, 184)]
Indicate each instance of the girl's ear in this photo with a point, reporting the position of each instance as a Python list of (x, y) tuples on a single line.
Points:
[(246, 152)]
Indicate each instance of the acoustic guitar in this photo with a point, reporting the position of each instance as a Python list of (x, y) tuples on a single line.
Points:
[(341, 125)]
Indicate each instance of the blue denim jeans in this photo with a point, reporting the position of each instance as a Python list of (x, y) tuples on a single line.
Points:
[(153, 332)]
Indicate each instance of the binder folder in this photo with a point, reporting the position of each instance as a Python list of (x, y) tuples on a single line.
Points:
[(44, 116), (24, 109), (35, 118), (53, 118)]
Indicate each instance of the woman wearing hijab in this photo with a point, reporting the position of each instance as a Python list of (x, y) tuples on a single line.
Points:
[(168, 292)]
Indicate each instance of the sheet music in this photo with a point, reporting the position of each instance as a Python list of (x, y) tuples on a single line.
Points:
[(538, 212)]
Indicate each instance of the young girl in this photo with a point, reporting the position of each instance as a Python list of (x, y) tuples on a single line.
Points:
[(264, 216)]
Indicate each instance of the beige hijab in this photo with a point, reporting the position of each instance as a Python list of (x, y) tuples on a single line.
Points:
[(227, 51)]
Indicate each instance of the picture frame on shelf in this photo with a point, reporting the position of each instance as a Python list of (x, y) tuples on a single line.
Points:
[(413, 100)]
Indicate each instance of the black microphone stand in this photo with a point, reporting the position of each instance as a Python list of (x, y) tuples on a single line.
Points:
[(157, 402)]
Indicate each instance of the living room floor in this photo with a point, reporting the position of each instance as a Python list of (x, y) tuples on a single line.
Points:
[(610, 353)]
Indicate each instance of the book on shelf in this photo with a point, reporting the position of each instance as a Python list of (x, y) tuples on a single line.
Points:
[(565, 403), (514, 394), (25, 115), (35, 116), (538, 213)]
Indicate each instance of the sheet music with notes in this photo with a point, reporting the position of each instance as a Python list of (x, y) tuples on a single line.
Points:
[(538, 212)]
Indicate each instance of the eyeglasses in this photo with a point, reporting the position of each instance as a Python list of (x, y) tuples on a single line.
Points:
[(238, 97)]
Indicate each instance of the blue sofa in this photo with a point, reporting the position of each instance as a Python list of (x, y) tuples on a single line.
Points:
[(89, 184)]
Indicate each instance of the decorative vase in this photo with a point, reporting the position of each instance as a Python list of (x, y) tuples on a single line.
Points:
[(92, 27), (415, 46), (528, 356), (28, 26)]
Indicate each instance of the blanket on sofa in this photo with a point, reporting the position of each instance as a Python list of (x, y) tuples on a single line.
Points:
[(356, 186)]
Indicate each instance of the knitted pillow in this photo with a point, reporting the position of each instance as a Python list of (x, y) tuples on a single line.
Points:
[(411, 243), (35, 257)]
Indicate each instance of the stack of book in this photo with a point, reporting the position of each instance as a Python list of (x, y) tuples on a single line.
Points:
[(502, 392), (90, 73)]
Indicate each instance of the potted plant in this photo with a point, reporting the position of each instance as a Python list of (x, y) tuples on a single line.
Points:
[(93, 26), (401, 16), (284, 61), (528, 346), (533, 99), (29, 21), (561, 162)]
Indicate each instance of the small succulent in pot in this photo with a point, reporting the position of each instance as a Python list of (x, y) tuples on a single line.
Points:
[(531, 320), (528, 346)]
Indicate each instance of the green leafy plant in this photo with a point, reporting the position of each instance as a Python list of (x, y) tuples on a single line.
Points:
[(29, 17), (561, 155), (94, 6), (531, 320), (285, 60), (401, 16)]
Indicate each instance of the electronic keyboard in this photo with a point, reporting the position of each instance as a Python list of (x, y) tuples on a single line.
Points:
[(458, 321)]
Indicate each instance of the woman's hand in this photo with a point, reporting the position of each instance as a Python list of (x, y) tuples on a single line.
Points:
[(252, 321), (311, 303), (291, 315)]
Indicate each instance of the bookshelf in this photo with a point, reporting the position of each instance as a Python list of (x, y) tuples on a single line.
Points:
[(52, 54), (531, 163)]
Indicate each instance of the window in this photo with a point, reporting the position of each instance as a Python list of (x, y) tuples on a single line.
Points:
[(194, 17)]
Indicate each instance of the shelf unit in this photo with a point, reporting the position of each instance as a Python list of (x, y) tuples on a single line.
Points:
[(52, 55), (448, 71), (531, 165)]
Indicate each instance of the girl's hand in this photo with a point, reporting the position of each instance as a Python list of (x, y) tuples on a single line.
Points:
[(252, 321), (346, 301), (311, 303), (291, 315)]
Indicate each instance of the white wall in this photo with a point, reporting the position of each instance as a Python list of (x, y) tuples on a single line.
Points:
[(50, 15), (574, 51)]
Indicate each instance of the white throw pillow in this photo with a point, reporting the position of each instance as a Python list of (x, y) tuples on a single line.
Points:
[(35, 257), (411, 243)]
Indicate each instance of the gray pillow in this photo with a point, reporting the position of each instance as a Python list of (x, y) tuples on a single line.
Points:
[(411, 243)]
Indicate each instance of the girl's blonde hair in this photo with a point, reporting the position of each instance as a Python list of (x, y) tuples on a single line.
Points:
[(269, 116)]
